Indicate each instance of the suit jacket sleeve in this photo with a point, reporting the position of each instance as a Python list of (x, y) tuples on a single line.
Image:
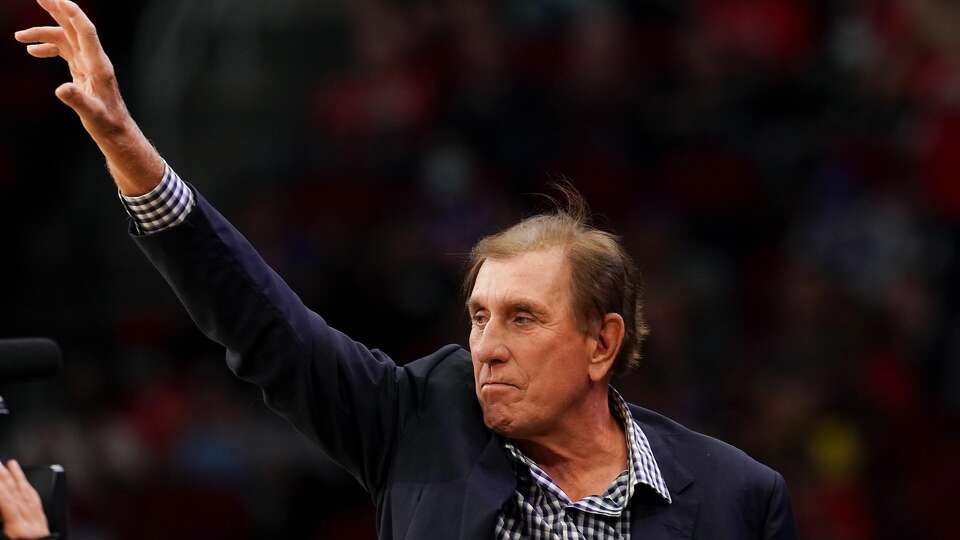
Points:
[(779, 523), (335, 390)]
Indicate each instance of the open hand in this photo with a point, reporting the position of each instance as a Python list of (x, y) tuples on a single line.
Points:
[(20, 505), (94, 94)]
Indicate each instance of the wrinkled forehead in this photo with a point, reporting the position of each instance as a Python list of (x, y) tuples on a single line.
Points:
[(542, 276)]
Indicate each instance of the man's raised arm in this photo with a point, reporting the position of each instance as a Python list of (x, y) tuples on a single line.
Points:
[(94, 95), (343, 395)]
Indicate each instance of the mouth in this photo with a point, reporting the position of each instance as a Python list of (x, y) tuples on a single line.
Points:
[(498, 384)]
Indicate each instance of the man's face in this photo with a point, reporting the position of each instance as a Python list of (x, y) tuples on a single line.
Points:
[(530, 359)]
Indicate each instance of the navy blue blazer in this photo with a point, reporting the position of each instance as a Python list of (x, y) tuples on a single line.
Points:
[(413, 435)]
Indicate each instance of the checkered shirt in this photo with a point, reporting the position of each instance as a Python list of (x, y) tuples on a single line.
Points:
[(540, 510), (164, 206)]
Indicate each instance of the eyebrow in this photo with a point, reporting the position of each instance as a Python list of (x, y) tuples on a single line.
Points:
[(515, 304)]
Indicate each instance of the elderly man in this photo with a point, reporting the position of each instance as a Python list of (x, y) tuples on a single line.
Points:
[(521, 437)]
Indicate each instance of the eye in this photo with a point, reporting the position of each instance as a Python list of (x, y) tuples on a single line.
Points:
[(479, 318), (522, 320)]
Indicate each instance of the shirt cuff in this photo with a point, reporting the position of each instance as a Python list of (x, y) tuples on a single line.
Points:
[(165, 206)]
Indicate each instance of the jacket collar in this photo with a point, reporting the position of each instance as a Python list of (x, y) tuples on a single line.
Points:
[(490, 484), (676, 476), (651, 517), (492, 481)]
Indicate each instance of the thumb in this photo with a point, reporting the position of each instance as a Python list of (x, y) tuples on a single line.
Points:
[(71, 95)]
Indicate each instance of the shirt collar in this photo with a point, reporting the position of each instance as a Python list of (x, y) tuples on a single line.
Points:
[(642, 466)]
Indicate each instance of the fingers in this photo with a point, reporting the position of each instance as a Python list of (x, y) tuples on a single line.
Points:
[(86, 32), (93, 94), (19, 478), (20, 505), (75, 40), (7, 483), (87, 107), (54, 8), (44, 50), (47, 34), (71, 96), (90, 56), (14, 481), (58, 36), (9, 509), (41, 34)]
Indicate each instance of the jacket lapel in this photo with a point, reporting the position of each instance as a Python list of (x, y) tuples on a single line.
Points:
[(490, 484), (652, 517), (492, 481), (656, 520)]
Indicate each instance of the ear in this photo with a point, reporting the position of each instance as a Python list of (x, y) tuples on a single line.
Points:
[(607, 341)]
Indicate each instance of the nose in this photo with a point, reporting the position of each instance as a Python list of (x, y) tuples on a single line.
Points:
[(488, 345)]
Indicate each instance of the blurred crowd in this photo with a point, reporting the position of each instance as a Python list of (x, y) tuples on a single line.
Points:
[(783, 171)]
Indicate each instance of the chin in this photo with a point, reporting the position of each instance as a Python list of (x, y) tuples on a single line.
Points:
[(498, 421), (499, 425)]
